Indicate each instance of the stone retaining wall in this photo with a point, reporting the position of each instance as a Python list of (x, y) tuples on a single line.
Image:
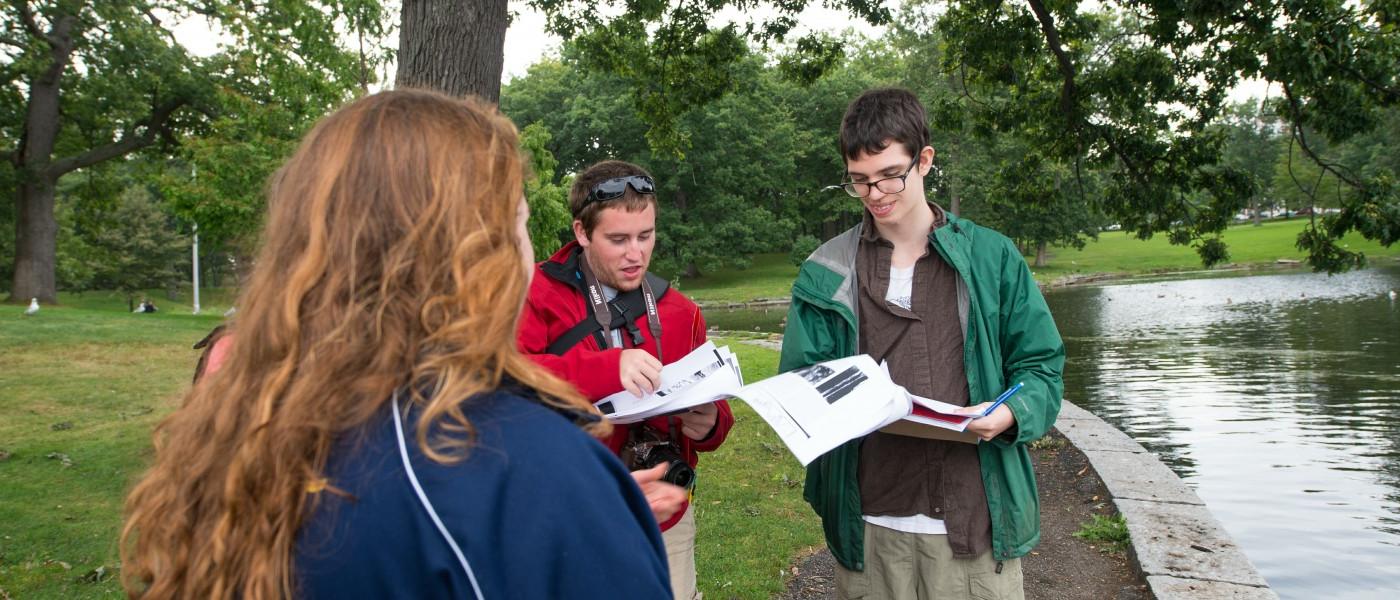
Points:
[(1181, 550)]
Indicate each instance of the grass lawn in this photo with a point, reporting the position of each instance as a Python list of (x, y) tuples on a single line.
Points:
[(771, 275), (84, 383), (749, 510), (1119, 252)]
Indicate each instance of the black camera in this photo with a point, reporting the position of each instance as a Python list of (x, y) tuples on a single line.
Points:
[(648, 448)]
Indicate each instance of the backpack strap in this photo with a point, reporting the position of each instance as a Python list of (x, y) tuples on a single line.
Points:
[(207, 346), (626, 308)]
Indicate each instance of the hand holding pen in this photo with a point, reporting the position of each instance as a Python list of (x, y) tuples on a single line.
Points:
[(991, 419)]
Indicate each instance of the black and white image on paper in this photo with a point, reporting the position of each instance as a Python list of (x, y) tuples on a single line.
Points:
[(832, 388)]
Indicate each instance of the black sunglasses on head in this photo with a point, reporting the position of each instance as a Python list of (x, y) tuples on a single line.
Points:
[(612, 189)]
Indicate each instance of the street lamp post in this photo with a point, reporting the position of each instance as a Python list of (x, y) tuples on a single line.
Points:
[(195, 255)]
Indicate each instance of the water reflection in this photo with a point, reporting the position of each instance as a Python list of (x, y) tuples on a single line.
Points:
[(1277, 397)]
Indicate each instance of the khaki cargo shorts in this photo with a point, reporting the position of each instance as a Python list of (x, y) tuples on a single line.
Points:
[(916, 566)]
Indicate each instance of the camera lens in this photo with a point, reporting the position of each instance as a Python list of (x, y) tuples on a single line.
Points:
[(680, 474)]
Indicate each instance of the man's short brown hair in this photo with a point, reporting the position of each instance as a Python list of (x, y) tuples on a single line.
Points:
[(631, 201), (880, 116)]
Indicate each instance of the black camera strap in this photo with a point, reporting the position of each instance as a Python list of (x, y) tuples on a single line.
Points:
[(602, 314)]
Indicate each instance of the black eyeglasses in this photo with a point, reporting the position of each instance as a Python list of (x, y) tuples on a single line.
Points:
[(612, 189), (888, 185)]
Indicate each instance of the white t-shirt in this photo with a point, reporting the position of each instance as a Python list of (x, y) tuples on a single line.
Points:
[(901, 294), (916, 524)]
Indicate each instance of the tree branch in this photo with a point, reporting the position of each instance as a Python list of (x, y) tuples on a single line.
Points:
[(141, 135), (26, 18), (1297, 134), (1310, 193), (60, 39), (1052, 39)]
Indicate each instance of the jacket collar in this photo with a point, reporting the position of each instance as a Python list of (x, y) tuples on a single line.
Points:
[(870, 233)]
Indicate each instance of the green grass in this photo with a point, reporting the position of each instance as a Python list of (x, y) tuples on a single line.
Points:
[(750, 514), (769, 276), (1108, 534), (1119, 252), (87, 380), (1115, 252)]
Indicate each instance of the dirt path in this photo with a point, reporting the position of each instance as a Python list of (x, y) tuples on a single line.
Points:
[(1062, 567)]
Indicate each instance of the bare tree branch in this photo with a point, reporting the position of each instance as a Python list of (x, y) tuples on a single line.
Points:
[(60, 40), (1052, 39), (1309, 192), (1297, 134), (26, 18), (143, 134), (160, 26)]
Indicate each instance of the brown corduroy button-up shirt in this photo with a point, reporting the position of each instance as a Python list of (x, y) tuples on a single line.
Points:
[(901, 475)]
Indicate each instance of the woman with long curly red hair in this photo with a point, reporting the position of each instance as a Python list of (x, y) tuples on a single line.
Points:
[(374, 432)]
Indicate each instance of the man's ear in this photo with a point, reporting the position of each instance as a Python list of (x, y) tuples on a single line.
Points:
[(580, 234), (926, 160)]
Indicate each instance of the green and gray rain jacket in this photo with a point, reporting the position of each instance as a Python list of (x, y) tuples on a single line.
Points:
[(1009, 337)]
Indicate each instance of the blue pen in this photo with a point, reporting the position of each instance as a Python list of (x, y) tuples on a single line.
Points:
[(1002, 398)]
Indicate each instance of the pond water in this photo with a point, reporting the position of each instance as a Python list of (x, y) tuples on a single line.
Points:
[(1276, 397)]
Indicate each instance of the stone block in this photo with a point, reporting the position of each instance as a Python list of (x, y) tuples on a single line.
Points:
[(1177, 588), (1096, 434), (1071, 412), (1140, 476), (1185, 541)]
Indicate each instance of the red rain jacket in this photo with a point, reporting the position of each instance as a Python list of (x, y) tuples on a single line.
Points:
[(552, 307)]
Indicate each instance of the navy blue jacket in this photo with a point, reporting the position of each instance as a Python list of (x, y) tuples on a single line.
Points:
[(539, 510)]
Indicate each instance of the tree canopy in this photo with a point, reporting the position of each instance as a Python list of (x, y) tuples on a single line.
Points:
[(92, 82), (1133, 90)]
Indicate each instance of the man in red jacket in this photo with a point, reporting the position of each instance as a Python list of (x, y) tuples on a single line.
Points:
[(596, 318)]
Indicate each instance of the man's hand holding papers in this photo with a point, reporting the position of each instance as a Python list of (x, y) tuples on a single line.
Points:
[(813, 409)]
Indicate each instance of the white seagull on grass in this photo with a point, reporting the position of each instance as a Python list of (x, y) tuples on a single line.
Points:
[(33, 307)]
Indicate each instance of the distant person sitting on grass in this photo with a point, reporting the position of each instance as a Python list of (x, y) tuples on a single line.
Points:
[(374, 432)]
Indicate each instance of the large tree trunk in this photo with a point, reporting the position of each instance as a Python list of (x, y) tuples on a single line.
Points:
[(36, 229), (36, 232), (1042, 254), (453, 46)]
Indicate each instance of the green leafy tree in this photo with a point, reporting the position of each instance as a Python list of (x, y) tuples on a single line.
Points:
[(133, 246), (1252, 146), (550, 223), (1136, 87), (93, 81), (676, 56)]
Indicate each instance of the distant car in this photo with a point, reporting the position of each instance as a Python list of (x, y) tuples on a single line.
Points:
[(1113, 227)]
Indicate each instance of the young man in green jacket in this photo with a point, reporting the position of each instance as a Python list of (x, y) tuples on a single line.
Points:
[(952, 308)]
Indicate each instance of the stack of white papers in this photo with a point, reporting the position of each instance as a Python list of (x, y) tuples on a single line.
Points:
[(704, 375), (813, 409)]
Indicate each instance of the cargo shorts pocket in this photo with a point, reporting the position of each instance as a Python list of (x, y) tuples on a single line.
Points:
[(1006, 585)]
